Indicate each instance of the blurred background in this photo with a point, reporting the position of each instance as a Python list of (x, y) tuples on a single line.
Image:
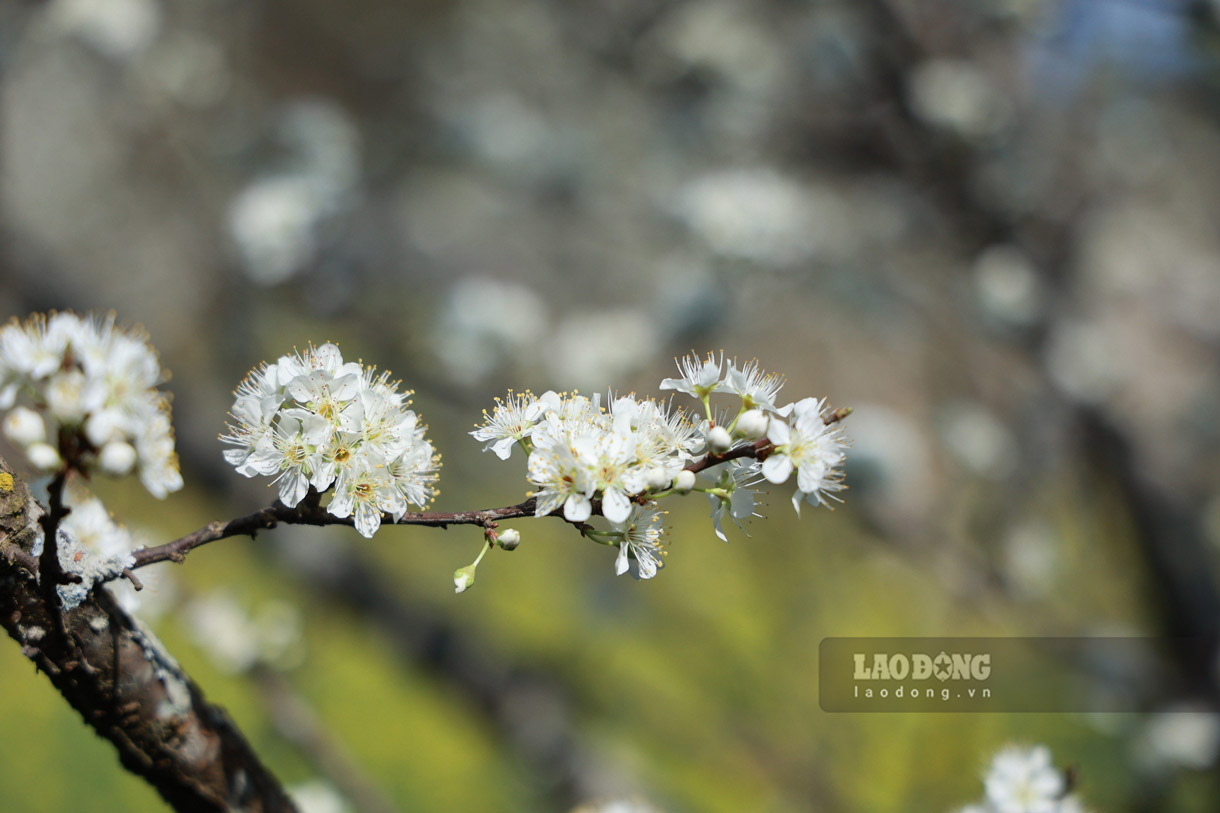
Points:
[(990, 227)]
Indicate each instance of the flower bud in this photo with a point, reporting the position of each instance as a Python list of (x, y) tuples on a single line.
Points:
[(685, 481), (66, 396), (24, 426), (508, 540), (752, 424), (463, 578), (117, 458), (657, 479), (719, 439), (43, 457)]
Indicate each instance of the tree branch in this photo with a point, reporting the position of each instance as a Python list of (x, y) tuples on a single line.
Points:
[(310, 512), (113, 671)]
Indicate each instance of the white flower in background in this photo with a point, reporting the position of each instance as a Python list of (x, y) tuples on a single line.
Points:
[(317, 796), (1180, 737), (310, 419), (24, 427), (641, 543), (812, 447), (751, 215), (511, 422), (91, 378), (275, 220), (486, 325), (1023, 780), (90, 544), (236, 641), (44, 457), (119, 29)]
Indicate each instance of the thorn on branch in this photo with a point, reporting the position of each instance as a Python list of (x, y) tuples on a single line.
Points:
[(131, 577)]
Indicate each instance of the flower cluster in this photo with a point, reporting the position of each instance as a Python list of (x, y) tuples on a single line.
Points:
[(1023, 780), (619, 458), (313, 420), (81, 392)]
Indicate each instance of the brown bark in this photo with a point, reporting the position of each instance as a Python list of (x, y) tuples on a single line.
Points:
[(113, 671)]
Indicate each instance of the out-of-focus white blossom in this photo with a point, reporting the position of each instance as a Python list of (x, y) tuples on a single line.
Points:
[(44, 457), (317, 796), (957, 96), (310, 419), (485, 324), (978, 439), (1008, 288), (90, 544), (1186, 737), (97, 381), (591, 347), (272, 221), (24, 427), (1023, 780), (119, 29), (236, 641), (275, 220), (117, 458), (752, 215)]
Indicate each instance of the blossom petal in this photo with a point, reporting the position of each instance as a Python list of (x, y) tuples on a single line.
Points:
[(777, 468)]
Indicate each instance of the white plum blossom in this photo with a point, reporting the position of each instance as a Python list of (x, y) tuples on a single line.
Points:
[(510, 423), (811, 446), (699, 378), (734, 495), (313, 420), (641, 543), (582, 451), (755, 387), (616, 461), (91, 384)]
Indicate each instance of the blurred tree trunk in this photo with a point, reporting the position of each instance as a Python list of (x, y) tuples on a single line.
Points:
[(124, 684)]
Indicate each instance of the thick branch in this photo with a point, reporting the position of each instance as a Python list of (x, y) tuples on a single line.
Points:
[(125, 685)]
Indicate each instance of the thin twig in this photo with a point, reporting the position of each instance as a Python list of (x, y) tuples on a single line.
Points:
[(310, 512)]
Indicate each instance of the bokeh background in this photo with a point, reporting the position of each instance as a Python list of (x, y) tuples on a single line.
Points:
[(990, 227)]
